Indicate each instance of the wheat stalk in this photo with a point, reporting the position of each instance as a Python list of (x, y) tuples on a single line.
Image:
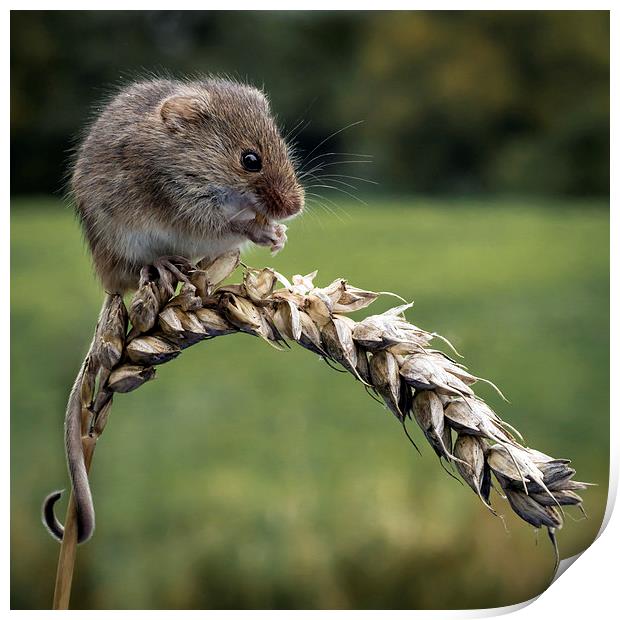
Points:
[(391, 357)]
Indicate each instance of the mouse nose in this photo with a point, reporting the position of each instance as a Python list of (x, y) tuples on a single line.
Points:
[(296, 203), (281, 200), (289, 203)]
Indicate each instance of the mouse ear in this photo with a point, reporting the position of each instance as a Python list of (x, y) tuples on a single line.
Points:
[(180, 111)]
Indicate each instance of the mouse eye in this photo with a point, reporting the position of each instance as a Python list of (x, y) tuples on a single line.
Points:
[(251, 161)]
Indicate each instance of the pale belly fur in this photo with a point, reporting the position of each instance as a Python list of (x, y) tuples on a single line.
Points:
[(144, 246)]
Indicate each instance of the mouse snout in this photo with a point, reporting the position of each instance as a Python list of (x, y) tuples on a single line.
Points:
[(290, 204), (296, 202), (282, 202)]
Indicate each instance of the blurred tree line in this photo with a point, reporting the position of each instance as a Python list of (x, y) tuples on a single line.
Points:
[(452, 102)]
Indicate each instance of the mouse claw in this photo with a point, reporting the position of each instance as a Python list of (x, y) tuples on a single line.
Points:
[(279, 240), (172, 269)]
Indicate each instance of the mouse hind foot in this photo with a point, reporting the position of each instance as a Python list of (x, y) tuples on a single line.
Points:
[(171, 270)]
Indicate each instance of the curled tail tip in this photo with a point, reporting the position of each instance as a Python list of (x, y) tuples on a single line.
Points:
[(53, 497), (86, 525), (48, 517)]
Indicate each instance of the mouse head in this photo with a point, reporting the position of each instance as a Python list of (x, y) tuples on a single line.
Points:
[(225, 138)]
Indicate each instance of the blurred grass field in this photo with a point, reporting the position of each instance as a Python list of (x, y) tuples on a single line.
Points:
[(248, 478)]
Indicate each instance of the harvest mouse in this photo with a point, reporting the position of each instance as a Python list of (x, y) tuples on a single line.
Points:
[(173, 169)]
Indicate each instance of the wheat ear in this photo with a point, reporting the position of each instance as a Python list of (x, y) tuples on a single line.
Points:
[(390, 356)]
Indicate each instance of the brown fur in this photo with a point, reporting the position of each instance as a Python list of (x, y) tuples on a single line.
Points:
[(159, 173)]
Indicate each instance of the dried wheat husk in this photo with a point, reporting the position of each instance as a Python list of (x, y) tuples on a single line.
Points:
[(387, 353)]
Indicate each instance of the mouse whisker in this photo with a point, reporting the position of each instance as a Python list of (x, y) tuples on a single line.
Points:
[(327, 208), (354, 178), (329, 179), (292, 134), (310, 210), (365, 156), (338, 189), (321, 162), (332, 135), (239, 213), (322, 165), (346, 161), (332, 211)]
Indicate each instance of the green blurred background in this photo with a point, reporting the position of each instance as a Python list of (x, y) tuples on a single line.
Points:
[(244, 477)]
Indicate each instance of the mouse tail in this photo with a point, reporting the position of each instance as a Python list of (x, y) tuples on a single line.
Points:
[(78, 473)]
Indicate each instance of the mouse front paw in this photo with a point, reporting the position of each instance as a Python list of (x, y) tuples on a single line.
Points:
[(279, 239), (270, 234)]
